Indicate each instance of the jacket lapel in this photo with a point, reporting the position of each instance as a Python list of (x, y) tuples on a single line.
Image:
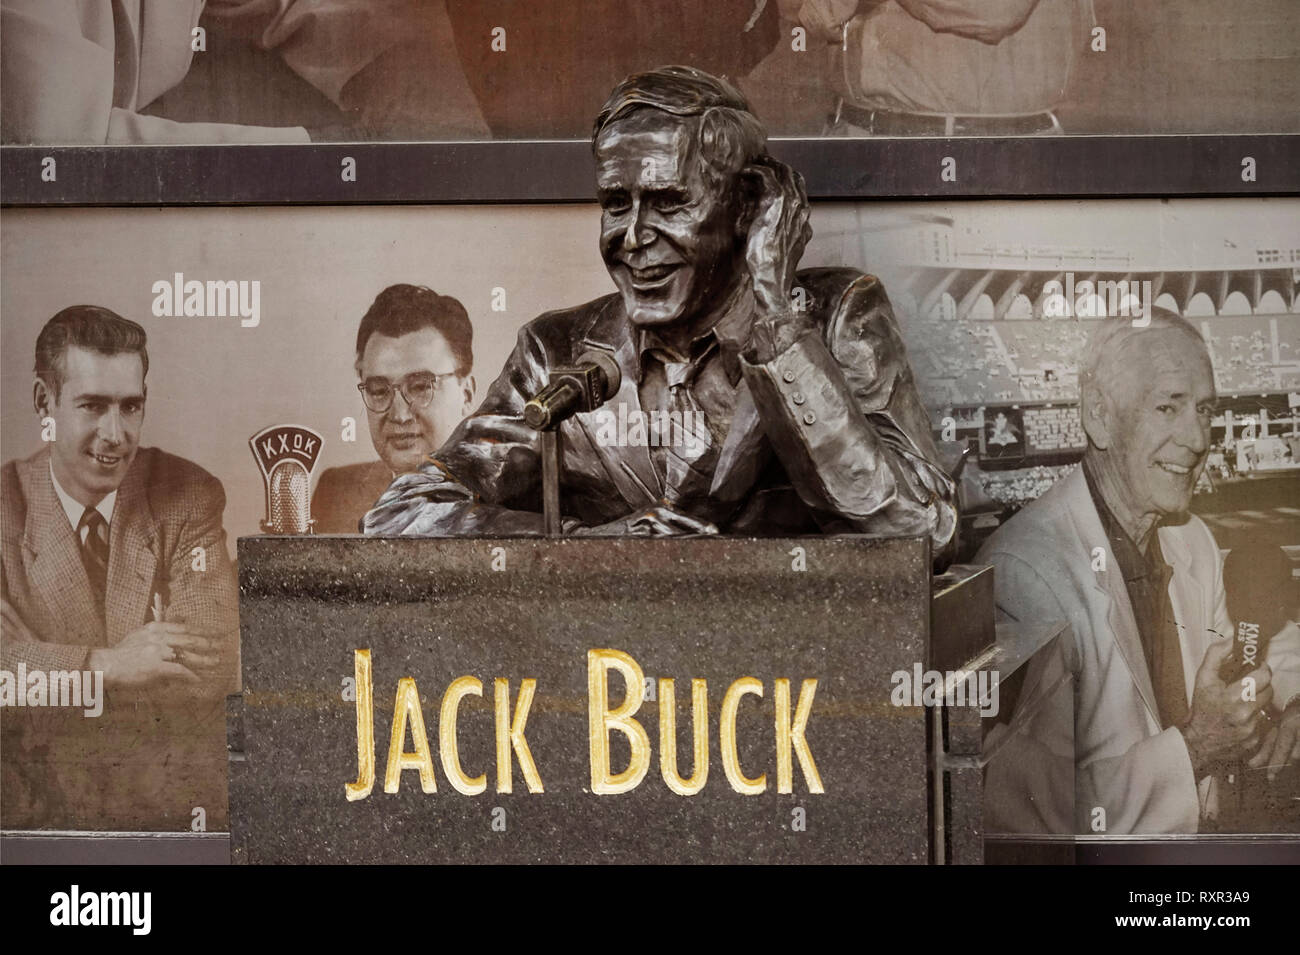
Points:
[(53, 554), (132, 558), (745, 450), (1187, 597), (610, 332), (1110, 589)]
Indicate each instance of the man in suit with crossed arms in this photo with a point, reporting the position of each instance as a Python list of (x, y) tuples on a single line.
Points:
[(115, 562)]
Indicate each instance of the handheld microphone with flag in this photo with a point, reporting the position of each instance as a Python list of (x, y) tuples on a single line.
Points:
[(1260, 591), (287, 455), (1262, 595)]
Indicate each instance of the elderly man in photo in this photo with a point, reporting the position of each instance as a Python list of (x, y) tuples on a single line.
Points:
[(811, 421), (1160, 710)]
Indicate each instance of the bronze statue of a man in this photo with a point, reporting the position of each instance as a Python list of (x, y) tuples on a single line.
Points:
[(799, 408)]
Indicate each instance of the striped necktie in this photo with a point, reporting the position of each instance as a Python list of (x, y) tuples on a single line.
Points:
[(94, 550)]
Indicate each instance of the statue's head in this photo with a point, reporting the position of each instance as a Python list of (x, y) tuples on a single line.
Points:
[(674, 152)]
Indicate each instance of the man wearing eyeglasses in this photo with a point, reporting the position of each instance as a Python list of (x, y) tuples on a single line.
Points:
[(414, 359)]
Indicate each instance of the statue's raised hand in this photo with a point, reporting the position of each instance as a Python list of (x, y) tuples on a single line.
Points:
[(777, 237)]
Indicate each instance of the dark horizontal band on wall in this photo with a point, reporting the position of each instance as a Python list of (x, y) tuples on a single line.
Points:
[(562, 171)]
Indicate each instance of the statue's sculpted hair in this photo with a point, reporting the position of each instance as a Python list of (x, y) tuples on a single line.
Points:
[(729, 135)]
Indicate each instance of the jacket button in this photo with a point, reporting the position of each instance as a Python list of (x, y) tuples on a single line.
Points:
[(787, 377), (809, 418), (797, 397)]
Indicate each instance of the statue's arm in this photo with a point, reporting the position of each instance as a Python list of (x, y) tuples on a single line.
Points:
[(843, 416)]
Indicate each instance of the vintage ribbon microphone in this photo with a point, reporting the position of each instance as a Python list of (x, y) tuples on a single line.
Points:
[(570, 390)]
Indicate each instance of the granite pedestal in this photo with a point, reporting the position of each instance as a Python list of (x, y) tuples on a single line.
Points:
[(847, 612)]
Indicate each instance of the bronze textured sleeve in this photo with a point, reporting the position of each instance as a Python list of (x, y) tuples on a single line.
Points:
[(844, 417)]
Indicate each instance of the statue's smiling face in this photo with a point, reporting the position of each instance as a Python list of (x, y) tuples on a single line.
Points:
[(668, 239)]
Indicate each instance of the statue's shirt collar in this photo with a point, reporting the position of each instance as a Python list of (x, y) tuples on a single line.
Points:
[(727, 337)]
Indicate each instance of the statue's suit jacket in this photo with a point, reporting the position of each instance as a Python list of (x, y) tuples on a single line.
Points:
[(829, 436), (63, 770), (1046, 568)]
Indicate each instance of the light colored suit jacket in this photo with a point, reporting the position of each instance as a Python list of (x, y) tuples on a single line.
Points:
[(147, 759), (165, 508), (1125, 764)]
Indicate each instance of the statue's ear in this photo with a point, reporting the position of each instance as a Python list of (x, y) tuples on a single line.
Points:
[(759, 184), (749, 186)]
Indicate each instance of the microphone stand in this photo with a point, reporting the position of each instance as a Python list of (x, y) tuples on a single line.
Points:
[(551, 480), (570, 390)]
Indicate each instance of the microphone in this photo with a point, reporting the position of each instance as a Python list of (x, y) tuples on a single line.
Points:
[(289, 494), (582, 387), (286, 454), (1261, 594)]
